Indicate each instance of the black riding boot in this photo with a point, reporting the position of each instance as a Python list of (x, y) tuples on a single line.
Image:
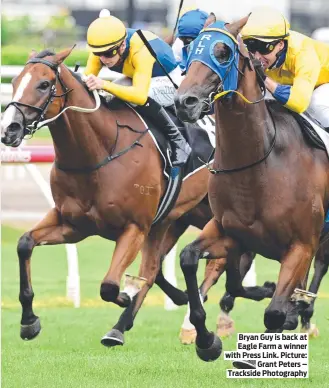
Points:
[(180, 148)]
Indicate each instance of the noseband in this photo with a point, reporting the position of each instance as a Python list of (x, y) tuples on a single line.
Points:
[(32, 128)]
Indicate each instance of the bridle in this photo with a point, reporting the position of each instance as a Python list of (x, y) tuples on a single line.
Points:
[(32, 128), (40, 122), (219, 93)]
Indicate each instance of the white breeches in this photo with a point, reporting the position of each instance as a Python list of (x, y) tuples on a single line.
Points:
[(161, 88), (319, 106)]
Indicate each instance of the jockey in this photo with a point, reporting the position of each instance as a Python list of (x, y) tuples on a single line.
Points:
[(121, 49), (296, 66), (191, 22)]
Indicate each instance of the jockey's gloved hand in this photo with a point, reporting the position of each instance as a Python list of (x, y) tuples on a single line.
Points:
[(259, 69)]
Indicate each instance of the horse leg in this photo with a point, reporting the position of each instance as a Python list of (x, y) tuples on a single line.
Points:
[(294, 269), (213, 270), (225, 324), (50, 230), (149, 268), (126, 249), (175, 230), (210, 244), (321, 264)]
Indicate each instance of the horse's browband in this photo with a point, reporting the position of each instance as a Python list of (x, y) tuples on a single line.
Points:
[(222, 31), (52, 65)]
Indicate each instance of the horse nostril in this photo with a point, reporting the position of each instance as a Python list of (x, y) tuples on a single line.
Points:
[(14, 127), (191, 101)]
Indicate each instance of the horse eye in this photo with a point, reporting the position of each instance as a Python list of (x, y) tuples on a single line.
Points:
[(44, 85), (223, 54)]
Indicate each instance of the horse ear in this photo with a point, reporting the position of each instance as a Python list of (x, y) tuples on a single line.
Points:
[(61, 56), (32, 54), (210, 20), (236, 27), (242, 47)]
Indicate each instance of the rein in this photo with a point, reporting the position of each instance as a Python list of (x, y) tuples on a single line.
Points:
[(40, 122), (219, 93), (109, 158), (31, 129)]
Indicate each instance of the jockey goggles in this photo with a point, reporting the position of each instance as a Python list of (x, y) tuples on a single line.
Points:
[(110, 53), (263, 48)]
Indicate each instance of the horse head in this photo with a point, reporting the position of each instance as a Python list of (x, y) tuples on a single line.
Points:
[(34, 96), (212, 67)]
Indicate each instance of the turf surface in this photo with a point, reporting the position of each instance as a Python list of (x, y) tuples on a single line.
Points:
[(68, 352)]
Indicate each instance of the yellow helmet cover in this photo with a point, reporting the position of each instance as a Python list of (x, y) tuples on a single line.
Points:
[(266, 24), (104, 33)]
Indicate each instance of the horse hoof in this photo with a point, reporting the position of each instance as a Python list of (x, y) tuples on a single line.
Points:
[(225, 325), (113, 338), (187, 337), (29, 332), (245, 364), (213, 352), (109, 291), (274, 319), (312, 331)]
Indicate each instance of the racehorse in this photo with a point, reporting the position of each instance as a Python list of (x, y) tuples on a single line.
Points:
[(269, 187), (103, 159)]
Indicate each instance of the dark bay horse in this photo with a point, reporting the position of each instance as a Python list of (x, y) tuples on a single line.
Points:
[(105, 201), (269, 189)]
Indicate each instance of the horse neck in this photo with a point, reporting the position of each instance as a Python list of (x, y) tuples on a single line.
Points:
[(244, 131), (82, 139)]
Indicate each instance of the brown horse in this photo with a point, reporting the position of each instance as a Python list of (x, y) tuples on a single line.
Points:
[(269, 190), (94, 194)]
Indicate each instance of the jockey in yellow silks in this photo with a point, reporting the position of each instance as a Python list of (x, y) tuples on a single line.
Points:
[(297, 67), (121, 49)]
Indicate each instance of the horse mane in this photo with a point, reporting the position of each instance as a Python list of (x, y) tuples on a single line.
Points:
[(286, 117), (293, 126)]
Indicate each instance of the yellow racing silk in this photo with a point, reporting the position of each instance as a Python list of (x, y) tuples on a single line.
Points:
[(305, 67), (138, 64)]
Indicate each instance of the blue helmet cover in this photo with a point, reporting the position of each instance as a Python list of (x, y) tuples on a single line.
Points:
[(191, 23), (202, 50)]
